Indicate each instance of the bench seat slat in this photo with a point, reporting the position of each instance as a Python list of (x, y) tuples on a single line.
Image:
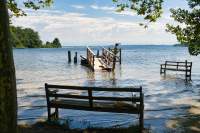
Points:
[(125, 89), (120, 107), (174, 69)]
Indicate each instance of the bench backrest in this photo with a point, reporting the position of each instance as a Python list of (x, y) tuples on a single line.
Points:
[(52, 89), (183, 63)]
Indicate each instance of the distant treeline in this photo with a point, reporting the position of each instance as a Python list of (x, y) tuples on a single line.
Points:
[(28, 38), (181, 45)]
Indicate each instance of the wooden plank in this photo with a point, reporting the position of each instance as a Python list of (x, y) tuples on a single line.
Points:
[(97, 106), (82, 57), (99, 109), (174, 69), (177, 62), (97, 64), (174, 65), (131, 99), (122, 89), (90, 97), (90, 51), (68, 96)]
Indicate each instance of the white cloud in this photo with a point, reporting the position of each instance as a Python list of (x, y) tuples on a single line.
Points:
[(81, 29), (126, 13), (104, 8), (112, 9), (78, 6)]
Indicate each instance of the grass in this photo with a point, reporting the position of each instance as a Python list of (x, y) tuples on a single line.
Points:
[(189, 124), (45, 127)]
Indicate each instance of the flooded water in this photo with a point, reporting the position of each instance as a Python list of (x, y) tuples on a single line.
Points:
[(165, 97)]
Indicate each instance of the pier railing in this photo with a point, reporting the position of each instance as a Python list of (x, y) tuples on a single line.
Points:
[(108, 56), (90, 58)]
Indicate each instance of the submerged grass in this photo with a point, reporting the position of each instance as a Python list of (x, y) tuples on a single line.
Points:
[(45, 127)]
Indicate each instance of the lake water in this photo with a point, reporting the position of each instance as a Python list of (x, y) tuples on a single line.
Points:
[(165, 97)]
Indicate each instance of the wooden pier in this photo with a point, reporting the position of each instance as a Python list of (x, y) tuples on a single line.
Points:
[(105, 61)]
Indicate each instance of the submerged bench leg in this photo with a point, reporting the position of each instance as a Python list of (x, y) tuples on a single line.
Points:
[(52, 116), (49, 113), (141, 122), (141, 119), (56, 113), (161, 69)]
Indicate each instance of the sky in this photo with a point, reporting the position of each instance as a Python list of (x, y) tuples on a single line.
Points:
[(96, 22)]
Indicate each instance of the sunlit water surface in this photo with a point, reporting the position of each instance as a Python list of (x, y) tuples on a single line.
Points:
[(165, 97)]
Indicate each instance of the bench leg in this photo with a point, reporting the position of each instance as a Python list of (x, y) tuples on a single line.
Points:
[(161, 70), (53, 116), (56, 113), (49, 113), (141, 119), (188, 76)]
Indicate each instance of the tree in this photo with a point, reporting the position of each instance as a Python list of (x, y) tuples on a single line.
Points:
[(56, 43), (25, 38), (188, 32), (8, 102)]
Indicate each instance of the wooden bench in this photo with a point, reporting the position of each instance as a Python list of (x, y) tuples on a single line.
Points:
[(177, 66), (57, 98)]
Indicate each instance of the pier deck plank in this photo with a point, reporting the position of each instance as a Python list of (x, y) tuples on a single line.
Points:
[(97, 64)]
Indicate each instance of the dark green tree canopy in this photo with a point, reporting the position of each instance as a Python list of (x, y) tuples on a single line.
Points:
[(28, 38), (54, 44), (24, 38)]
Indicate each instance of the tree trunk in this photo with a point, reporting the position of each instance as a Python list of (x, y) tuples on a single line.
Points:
[(8, 98)]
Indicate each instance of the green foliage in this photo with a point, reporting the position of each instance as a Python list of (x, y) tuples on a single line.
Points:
[(150, 9), (33, 4), (24, 38), (188, 30), (28, 38), (13, 7), (54, 44)]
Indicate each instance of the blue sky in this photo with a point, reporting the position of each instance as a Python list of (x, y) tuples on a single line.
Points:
[(94, 22)]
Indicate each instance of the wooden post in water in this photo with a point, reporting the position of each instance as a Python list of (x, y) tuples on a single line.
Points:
[(120, 56), (75, 57), (69, 56), (97, 53), (186, 70), (141, 116), (114, 58)]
